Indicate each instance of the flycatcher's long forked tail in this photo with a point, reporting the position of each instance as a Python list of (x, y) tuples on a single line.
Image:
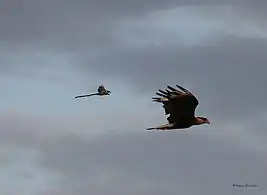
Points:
[(87, 95)]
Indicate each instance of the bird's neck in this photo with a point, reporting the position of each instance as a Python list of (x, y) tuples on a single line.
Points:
[(197, 121)]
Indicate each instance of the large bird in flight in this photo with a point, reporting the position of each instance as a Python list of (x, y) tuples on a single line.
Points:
[(180, 105), (100, 91)]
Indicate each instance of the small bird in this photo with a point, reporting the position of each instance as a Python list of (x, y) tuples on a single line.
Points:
[(180, 106), (100, 91)]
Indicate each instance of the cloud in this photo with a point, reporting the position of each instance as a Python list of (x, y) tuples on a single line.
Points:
[(65, 25), (228, 76), (147, 164), (220, 57), (141, 163), (218, 52)]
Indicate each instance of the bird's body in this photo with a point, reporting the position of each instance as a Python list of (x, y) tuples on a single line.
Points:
[(101, 91), (180, 105)]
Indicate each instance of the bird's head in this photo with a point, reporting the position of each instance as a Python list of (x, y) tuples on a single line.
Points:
[(203, 120), (109, 92)]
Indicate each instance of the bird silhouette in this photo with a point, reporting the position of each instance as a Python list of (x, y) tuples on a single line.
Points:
[(180, 105), (101, 91)]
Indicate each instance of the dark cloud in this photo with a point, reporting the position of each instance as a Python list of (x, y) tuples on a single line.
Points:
[(221, 74), (81, 24)]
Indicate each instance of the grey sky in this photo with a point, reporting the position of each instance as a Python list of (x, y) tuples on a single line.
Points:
[(51, 50), (143, 163)]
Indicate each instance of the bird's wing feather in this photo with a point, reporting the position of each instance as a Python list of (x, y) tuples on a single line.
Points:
[(182, 107), (179, 104), (181, 110)]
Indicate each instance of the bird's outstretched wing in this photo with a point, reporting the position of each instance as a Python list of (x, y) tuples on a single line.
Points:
[(87, 95), (180, 104)]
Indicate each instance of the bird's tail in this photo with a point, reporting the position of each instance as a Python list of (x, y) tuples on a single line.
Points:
[(162, 127), (87, 95), (151, 128)]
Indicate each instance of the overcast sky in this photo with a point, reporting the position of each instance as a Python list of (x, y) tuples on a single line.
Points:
[(53, 50)]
